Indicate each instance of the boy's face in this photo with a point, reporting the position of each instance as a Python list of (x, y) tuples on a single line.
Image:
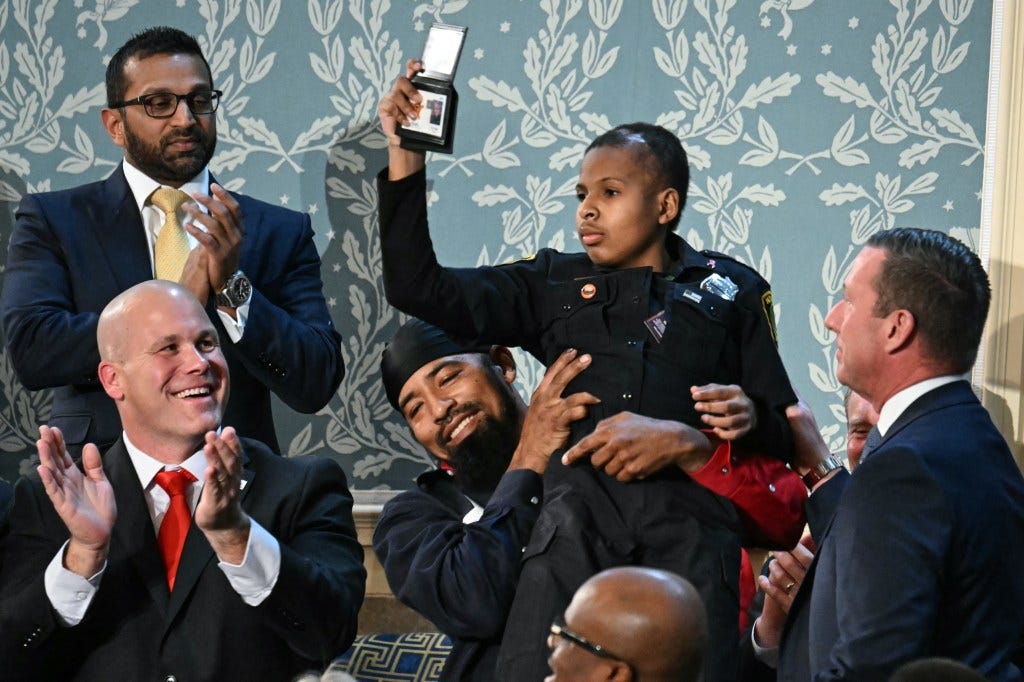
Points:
[(624, 209)]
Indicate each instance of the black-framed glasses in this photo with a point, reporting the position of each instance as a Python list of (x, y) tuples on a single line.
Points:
[(164, 104), (558, 629)]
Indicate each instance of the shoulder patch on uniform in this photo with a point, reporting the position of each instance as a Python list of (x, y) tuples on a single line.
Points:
[(769, 314)]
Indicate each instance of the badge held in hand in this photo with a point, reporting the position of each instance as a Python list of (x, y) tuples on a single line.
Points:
[(433, 130)]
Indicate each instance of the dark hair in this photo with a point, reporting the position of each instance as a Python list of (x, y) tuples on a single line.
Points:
[(662, 148), (156, 40), (942, 283)]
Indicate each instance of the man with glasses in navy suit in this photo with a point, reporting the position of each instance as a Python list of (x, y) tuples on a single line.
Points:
[(253, 265)]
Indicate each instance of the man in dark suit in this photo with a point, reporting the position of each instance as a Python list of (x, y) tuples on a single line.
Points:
[(920, 550), (253, 265), (251, 571)]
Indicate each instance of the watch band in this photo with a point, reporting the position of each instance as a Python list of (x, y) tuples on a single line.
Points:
[(822, 469)]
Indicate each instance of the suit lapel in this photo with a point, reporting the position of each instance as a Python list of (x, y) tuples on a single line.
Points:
[(116, 225), (197, 554), (134, 538)]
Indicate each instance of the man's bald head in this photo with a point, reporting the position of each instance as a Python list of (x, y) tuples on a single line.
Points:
[(653, 621), (118, 317)]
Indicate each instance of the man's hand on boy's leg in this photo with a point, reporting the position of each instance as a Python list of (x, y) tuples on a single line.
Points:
[(631, 447), (727, 409)]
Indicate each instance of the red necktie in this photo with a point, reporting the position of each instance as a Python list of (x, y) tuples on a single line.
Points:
[(174, 527)]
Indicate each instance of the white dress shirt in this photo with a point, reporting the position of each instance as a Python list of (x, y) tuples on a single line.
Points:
[(253, 579)]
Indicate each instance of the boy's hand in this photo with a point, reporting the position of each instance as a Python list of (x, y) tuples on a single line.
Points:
[(402, 104), (631, 447), (727, 409)]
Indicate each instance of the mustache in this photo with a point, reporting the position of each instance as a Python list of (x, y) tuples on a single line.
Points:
[(193, 134), (464, 408)]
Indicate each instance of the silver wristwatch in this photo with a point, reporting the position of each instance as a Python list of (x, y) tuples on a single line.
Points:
[(822, 469), (236, 292)]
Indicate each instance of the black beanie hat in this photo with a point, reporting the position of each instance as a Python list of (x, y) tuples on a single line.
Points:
[(415, 344)]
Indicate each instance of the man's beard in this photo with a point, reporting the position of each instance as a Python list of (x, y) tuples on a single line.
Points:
[(155, 161), (483, 457)]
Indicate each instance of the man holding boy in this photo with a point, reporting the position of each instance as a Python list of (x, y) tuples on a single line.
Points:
[(660, 320)]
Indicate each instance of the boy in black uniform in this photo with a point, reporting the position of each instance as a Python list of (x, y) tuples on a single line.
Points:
[(660, 320)]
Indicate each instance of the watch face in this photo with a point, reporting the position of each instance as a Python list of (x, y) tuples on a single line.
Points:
[(236, 292), (241, 289)]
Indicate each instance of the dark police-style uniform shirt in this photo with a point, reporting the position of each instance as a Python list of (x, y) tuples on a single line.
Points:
[(556, 301)]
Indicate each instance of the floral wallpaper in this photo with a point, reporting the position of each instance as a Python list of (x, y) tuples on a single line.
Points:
[(810, 124)]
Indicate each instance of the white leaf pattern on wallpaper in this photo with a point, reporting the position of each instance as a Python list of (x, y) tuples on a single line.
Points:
[(810, 125)]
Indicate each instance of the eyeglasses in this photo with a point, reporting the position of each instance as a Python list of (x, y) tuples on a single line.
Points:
[(559, 630), (165, 104)]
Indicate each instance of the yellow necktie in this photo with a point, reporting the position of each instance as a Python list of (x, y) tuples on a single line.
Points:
[(172, 247)]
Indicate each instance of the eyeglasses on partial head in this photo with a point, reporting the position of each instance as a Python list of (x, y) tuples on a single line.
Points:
[(165, 104), (558, 629)]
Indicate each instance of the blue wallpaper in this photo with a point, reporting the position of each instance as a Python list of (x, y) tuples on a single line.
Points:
[(810, 124)]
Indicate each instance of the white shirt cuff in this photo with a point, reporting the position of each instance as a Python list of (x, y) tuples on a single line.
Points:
[(767, 655), (256, 576), (235, 327), (69, 593)]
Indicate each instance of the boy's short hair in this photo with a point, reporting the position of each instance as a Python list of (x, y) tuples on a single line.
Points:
[(152, 41), (663, 148)]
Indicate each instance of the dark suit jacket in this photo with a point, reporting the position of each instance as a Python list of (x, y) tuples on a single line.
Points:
[(133, 630), (73, 251), (920, 555)]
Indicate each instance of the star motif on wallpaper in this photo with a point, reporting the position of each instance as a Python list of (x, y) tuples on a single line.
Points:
[(791, 50), (284, 199), (330, 235), (332, 301), (977, 195), (505, 27), (313, 208), (478, 53), (826, 49), (336, 267), (854, 22), (766, 22), (948, 206)]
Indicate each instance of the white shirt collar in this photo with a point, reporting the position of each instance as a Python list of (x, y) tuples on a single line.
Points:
[(146, 467), (901, 400), (142, 185)]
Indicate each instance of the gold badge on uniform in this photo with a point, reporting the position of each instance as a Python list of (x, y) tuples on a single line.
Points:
[(589, 290)]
